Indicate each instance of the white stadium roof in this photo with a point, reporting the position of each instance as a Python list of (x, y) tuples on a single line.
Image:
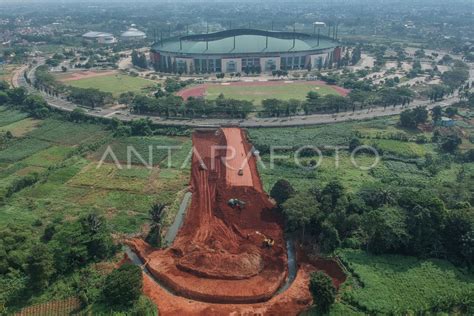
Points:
[(92, 34), (133, 32)]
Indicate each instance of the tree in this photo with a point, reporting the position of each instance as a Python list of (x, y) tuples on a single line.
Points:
[(299, 210), (450, 143), (334, 190), (4, 99), (411, 118), (40, 266), (123, 286), (455, 78), (437, 113), (141, 127), (17, 95), (282, 191), (4, 85), (312, 103), (354, 143), (458, 234), (356, 55), (426, 218), (386, 230), (329, 238), (154, 235), (323, 291), (77, 243)]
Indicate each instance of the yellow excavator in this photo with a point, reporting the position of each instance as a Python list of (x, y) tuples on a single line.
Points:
[(267, 241)]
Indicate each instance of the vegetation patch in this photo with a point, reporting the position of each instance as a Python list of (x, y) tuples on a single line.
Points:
[(49, 156), (21, 128), (148, 148), (393, 284), (22, 148), (115, 84), (258, 93), (8, 116), (68, 133)]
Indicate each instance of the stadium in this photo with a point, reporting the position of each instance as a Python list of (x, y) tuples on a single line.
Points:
[(244, 50)]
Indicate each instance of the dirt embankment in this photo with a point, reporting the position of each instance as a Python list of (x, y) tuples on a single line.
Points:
[(219, 263), (218, 255)]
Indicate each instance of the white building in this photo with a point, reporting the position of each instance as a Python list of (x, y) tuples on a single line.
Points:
[(133, 34), (99, 37)]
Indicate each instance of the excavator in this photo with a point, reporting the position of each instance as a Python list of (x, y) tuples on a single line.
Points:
[(267, 241), (236, 203)]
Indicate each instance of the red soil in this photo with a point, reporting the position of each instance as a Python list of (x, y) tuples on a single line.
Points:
[(200, 90), (217, 259)]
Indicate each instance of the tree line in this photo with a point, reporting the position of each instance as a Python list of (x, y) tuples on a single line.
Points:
[(380, 219)]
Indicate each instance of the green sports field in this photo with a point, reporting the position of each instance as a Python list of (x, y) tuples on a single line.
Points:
[(258, 93), (115, 84)]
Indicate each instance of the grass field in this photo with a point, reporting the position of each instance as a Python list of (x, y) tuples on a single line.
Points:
[(258, 93), (397, 285), (115, 84)]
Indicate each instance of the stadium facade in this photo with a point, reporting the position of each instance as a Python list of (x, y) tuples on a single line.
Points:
[(244, 50)]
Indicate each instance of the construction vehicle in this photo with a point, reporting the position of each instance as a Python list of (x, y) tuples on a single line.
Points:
[(236, 203), (240, 172), (267, 241)]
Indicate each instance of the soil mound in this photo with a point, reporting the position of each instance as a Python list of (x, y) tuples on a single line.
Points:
[(221, 253)]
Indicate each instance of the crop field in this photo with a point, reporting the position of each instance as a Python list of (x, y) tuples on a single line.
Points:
[(22, 127), (10, 116), (392, 284), (71, 184), (399, 163), (68, 133), (115, 83), (139, 150)]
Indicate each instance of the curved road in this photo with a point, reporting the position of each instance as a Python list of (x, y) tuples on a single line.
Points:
[(316, 119)]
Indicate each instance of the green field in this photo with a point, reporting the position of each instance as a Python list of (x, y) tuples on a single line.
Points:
[(392, 284), (115, 84), (258, 93), (71, 184)]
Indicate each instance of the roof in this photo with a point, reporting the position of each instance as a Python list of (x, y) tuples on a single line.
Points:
[(92, 34), (133, 32), (246, 41)]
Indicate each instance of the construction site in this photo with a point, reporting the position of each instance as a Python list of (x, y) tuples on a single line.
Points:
[(231, 254)]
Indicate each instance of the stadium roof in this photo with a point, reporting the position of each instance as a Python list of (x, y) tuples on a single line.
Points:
[(92, 34), (133, 32), (246, 41)]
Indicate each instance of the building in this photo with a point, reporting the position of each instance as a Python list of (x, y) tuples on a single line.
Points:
[(445, 122), (132, 34), (99, 37), (244, 50)]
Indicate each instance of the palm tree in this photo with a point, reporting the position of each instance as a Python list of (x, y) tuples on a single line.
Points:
[(154, 235), (155, 212)]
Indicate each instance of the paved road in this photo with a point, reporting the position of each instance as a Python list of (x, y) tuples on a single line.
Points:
[(315, 119)]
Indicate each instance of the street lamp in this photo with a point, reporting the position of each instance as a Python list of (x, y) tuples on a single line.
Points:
[(318, 25)]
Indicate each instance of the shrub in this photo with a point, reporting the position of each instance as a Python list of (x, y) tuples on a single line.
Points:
[(282, 191), (322, 290), (123, 286)]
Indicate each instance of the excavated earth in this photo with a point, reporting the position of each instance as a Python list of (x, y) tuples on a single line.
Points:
[(217, 263)]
